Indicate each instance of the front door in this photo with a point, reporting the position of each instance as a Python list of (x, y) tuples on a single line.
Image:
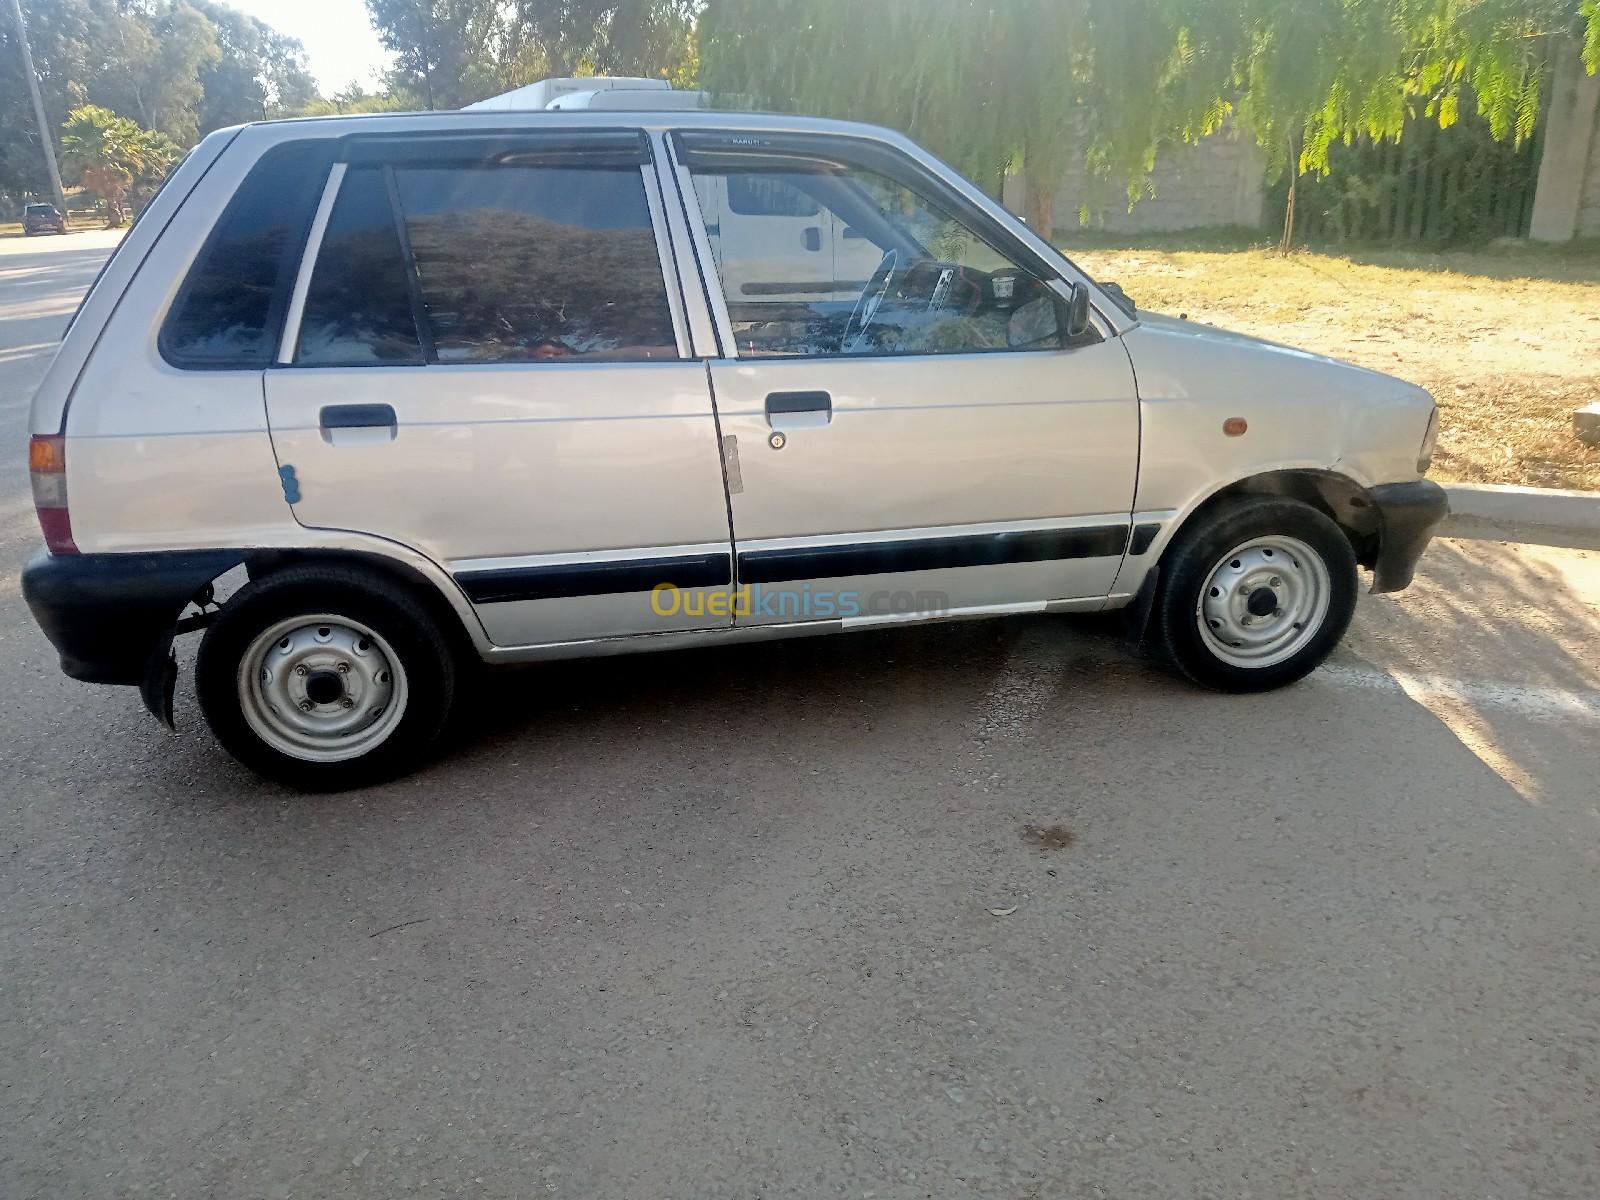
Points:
[(484, 364), (919, 437)]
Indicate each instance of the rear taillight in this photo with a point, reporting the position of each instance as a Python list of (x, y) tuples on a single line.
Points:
[(47, 469)]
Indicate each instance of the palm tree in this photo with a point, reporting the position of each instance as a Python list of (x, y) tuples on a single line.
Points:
[(111, 152)]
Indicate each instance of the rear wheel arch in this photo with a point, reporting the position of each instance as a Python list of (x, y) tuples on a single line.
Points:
[(325, 674), (453, 621)]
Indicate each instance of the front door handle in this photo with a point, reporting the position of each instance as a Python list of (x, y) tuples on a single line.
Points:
[(799, 410), (354, 424)]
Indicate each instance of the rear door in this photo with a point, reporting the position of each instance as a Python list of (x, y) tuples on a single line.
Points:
[(485, 360), (913, 435)]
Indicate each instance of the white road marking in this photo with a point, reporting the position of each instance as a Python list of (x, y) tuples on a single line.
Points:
[(1524, 699)]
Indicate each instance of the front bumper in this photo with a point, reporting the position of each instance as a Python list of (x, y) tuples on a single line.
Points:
[(1408, 515), (108, 615)]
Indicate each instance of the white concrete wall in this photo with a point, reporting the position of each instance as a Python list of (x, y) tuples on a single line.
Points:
[(1589, 206), (1567, 201), (1221, 180)]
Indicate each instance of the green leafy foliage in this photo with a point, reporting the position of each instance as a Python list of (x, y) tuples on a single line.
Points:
[(453, 52), (180, 69), (110, 154), (1106, 83)]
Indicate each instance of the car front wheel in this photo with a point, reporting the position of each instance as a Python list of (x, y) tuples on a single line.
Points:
[(325, 678), (1257, 594)]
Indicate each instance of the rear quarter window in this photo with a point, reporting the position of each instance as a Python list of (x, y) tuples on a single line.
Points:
[(229, 312), (519, 264)]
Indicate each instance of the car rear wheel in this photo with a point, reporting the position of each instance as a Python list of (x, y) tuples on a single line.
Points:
[(1256, 594), (326, 678)]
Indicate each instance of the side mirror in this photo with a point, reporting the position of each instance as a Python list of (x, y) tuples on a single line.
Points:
[(1075, 322)]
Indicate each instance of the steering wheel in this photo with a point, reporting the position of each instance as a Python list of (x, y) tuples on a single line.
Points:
[(869, 301)]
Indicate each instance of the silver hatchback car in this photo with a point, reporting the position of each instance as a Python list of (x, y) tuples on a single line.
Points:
[(525, 386)]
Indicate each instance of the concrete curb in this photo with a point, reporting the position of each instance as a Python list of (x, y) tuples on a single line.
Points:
[(1525, 505)]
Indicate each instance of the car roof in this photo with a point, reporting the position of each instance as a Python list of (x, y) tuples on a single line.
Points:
[(499, 119)]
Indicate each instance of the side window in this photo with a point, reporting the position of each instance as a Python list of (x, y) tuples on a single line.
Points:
[(230, 311), (526, 263), (358, 308), (879, 270), (755, 195)]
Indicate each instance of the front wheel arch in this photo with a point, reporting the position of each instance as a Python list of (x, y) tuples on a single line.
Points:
[(1338, 497), (1231, 531)]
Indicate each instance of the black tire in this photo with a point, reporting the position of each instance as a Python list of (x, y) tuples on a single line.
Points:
[(366, 599), (1203, 546)]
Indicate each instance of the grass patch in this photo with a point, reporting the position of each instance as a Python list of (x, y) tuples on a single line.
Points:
[(1507, 338)]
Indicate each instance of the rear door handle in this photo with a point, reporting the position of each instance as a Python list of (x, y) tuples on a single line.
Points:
[(798, 410), (358, 416), (353, 424)]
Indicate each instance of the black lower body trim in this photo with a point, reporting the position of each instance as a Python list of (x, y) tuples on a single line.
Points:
[(566, 580), (930, 554), (109, 614), (1408, 514)]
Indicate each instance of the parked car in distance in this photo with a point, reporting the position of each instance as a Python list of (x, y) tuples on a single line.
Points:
[(513, 386), (42, 218)]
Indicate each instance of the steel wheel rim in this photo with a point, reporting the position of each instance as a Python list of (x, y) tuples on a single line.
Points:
[(1233, 612), (322, 688)]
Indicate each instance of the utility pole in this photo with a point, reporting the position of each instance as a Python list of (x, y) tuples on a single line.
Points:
[(46, 142)]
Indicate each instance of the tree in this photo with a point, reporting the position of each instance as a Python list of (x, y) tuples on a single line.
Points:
[(152, 65), (353, 98), (452, 52), (448, 52), (58, 34), (183, 69), (1311, 73), (258, 72), (1107, 83), (111, 153), (628, 37), (988, 86)]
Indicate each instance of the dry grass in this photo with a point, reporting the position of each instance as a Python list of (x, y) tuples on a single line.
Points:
[(1508, 340)]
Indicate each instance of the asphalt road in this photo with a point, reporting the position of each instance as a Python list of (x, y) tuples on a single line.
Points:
[(724, 923)]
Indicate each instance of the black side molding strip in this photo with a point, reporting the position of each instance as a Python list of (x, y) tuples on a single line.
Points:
[(931, 554), (1143, 536), (565, 580)]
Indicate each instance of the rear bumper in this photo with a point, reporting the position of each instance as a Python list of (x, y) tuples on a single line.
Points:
[(1408, 515), (108, 614)]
